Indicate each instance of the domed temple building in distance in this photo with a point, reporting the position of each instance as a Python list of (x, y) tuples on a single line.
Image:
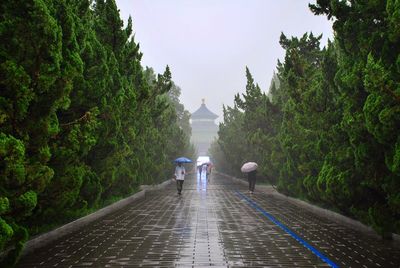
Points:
[(204, 129)]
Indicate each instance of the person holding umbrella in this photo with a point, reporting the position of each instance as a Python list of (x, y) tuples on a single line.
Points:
[(251, 169), (180, 172)]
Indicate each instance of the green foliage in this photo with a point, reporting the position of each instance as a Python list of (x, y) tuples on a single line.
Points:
[(230, 159), (4, 205), (12, 153), (25, 203), (19, 237), (368, 79), (329, 130), (81, 121), (6, 232)]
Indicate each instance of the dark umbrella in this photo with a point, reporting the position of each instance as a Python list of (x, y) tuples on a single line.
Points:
[(183, 160)]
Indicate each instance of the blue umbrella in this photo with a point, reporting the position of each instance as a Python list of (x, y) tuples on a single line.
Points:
[(183, 160)]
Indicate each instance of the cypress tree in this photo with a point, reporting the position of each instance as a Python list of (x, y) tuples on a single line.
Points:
[(35, 83), (79, 123), (368, 77)]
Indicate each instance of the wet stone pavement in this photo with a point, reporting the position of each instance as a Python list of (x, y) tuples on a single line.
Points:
[(214, 224)]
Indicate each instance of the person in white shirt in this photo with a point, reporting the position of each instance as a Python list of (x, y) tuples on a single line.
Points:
[(179, 176)]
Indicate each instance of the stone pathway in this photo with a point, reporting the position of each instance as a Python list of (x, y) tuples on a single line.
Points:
[(214, 224)]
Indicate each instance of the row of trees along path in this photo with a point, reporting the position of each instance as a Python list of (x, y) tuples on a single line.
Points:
[(82, 123), (328, 130)]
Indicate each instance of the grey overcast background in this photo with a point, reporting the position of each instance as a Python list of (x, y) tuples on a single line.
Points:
[(208, 43)]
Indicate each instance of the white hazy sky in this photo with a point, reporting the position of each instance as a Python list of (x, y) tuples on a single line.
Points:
[(208, 43)]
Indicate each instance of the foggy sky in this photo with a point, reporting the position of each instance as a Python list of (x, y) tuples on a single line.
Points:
[(208, 43)]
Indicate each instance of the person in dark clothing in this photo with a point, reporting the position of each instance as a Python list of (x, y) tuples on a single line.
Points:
[(200, 170), (208, 172), (252, 180)]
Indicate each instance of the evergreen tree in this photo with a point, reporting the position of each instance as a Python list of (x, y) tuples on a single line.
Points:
[(79, 122), (368, 77), (38, 64), (330, 127), (77, 125), (232, 129)]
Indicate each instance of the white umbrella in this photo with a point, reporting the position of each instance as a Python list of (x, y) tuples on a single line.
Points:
[(249, 166)]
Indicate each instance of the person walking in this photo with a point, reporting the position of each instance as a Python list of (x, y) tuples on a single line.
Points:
[(252, 175), (179, 177), (251, 169), (200, 169), (208, 172)]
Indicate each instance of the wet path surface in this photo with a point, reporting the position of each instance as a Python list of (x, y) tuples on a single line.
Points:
[(216, 224)]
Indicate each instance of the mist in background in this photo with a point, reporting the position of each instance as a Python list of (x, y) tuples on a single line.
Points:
[(208, 43)]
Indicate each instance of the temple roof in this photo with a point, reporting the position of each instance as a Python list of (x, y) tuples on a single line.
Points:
[(203, 113)]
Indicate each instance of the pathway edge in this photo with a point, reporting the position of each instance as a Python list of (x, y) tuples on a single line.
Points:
[(331, 215), (46, 238)]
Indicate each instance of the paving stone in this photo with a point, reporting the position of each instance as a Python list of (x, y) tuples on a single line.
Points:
[(212, 225)]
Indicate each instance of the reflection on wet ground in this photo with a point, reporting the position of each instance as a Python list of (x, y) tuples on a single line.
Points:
[(213, 224)]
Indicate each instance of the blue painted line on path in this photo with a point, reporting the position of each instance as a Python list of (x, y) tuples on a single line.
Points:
[(287, 230)]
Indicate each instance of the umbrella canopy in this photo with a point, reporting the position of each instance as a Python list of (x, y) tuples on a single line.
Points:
[(183, 160), (206, 163), (249, 166)]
